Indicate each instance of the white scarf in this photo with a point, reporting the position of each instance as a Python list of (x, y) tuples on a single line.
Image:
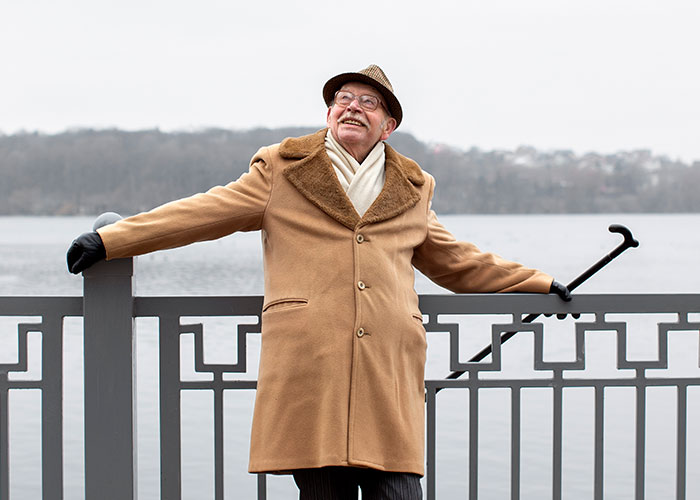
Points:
[(362, 183)]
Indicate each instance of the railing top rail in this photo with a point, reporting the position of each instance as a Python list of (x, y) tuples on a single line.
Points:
[(581, 303), (444, 303), (451, 303), (37, 306), (198, 305)]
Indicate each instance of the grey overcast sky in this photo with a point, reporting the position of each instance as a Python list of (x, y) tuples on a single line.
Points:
[(591, 75)]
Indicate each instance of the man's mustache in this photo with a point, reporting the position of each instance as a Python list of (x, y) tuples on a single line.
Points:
[(350, 116)]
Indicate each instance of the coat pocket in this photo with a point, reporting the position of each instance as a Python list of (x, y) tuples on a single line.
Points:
[(286, 303), (418, 317)]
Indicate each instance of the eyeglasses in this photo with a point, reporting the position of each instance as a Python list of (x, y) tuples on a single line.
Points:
[(369, 102)]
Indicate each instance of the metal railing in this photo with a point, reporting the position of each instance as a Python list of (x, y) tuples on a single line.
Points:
[(109, 309)]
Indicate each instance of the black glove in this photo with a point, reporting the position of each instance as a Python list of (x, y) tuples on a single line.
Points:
[(564, 295), (85, 251), (560, 290)]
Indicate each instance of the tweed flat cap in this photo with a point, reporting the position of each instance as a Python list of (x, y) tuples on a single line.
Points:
[(371, 75)]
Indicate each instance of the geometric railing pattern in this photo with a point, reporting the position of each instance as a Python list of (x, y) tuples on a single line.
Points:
[(560, 375), (41, 370), (169, 311), (109, 309)]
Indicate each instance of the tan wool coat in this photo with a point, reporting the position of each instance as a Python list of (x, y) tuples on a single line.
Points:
[(343, 345)]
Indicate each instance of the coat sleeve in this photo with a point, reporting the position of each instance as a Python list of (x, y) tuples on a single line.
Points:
[(237, 206), (462, 268)]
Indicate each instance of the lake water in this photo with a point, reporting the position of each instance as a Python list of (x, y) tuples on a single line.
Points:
[(32, 262)]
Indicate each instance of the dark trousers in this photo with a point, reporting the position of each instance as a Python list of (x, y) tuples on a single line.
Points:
[(341, 483)]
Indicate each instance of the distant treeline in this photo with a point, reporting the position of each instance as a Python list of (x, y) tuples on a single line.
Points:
[(93, 171)]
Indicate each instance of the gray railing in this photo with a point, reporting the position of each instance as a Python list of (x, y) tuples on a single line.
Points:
[(109, 309)]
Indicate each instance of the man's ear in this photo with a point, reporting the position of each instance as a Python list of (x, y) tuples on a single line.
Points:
[(328, 116), (389, 127)]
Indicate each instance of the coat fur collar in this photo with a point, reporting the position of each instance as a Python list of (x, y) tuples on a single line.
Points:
[(313, 175)]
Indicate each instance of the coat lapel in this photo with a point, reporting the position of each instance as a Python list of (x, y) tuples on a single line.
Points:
[(313, 176)]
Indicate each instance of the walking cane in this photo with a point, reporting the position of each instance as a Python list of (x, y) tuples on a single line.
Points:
[(628, 242)]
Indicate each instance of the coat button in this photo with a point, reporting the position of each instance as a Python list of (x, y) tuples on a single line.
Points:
[(360, 332), (361, 285), (360, 238)]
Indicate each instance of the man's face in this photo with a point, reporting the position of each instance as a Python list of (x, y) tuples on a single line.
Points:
[(358, 129)]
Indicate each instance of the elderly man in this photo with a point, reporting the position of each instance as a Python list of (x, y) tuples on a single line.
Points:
[(344, 221)]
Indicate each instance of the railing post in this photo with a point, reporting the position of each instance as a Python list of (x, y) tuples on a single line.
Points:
[(110, 465)]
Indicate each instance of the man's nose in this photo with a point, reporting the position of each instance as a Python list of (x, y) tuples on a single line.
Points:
[(355, 104)]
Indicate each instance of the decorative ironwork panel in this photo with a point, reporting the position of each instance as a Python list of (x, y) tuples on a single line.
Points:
[(640, 375), (183, 324), (38, 369), (175, 314)]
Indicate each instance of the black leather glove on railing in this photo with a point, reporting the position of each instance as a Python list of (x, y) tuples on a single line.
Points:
[(564, 295), (560, 290), (86, 250)]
